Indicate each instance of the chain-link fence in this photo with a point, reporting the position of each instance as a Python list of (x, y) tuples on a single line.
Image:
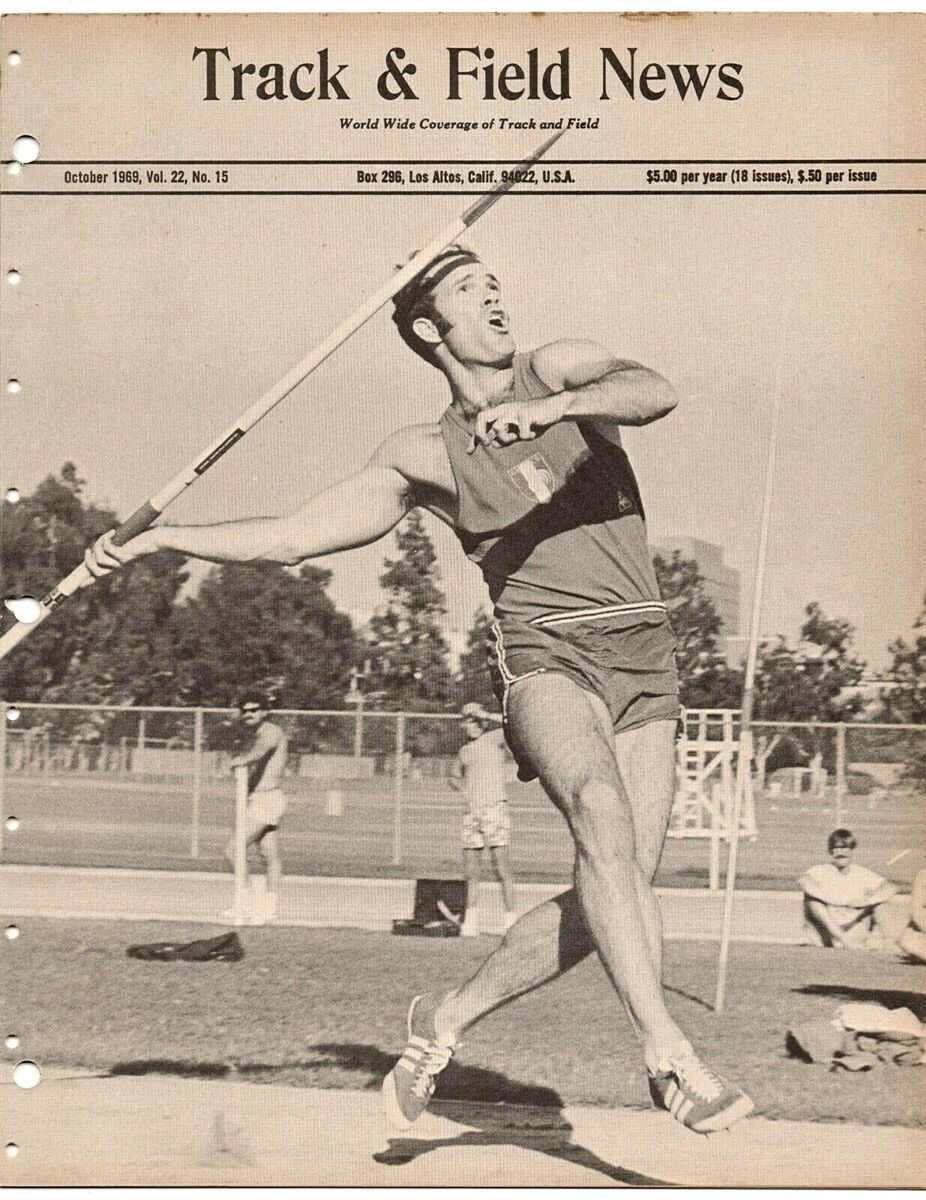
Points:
[(367, 791), (806, 780), (90, 785), (813, 778), (368, 794)]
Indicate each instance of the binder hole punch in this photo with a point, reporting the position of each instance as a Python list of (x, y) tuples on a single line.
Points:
[(26, 1074), (23, 608), (13, 278), (11, 824), (11, 933), (12, 713), (13, 168), (11, 1041), (14, 387), (14, 58), (11, 1149), (11, 496), (26, 148)]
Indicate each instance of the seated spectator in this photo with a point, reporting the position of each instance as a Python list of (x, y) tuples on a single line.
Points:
[(913, 938), (842, 901)]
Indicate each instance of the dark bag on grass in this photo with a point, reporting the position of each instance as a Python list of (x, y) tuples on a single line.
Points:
[(224, 948), (413, 928)]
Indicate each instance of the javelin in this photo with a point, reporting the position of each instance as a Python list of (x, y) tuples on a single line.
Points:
[(744, 756), (148, 513)]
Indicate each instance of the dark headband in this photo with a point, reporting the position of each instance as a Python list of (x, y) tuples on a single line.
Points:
[(430, 277)]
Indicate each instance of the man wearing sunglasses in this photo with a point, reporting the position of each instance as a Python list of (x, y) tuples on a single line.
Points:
[(264, 761)]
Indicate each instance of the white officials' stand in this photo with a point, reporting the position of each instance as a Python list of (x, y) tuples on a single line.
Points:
[(706, 770)]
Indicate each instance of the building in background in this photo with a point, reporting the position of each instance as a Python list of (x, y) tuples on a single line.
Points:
[(721, 582)]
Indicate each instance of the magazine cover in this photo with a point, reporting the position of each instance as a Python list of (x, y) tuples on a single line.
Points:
[(463, 639)]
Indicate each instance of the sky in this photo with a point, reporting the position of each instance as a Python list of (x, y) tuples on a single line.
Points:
[(143, 326)]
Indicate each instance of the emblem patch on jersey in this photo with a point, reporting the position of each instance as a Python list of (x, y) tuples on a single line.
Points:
[(534, 477), (624, 503)]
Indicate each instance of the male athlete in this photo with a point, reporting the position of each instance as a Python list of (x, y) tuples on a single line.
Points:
[(526, 466), (265, 760)]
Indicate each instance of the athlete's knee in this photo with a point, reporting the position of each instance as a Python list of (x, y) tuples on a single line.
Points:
[(600, 818)]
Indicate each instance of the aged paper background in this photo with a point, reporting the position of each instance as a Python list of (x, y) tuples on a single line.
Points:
[(152, 312)]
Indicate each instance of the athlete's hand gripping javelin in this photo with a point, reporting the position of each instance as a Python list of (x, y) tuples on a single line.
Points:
[(105, 556)]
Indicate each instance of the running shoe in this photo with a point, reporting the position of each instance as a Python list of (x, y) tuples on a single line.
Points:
[(470, 926), (409, 1086), (695, 1096)]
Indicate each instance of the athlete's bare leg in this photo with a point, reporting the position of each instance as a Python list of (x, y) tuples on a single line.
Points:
[(501, 861), (555, 932), (612, 898), (472, 866), (267, 841), (229, 855), (269, 846), (646, 761)]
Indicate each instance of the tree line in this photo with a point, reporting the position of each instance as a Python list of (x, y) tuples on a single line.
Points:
[(137, 637)]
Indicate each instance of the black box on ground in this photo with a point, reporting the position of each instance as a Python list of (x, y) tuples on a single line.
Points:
[(440, 905)]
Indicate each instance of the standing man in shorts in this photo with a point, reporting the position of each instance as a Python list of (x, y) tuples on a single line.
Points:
[(265, 761), (526, 466), (479, 771)]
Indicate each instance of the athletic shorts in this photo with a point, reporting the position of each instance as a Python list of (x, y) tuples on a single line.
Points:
[(487, 827), (631, 669), (265, 810)]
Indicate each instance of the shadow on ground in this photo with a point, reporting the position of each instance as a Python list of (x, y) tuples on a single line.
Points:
[(497, 1110), (699, 1000), (544, 1130), (890, 997), (173, 1066)]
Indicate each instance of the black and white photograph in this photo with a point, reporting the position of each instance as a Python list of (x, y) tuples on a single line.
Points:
[(463, 696)]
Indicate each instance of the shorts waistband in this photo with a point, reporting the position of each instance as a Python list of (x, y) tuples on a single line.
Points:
[(636, 608)]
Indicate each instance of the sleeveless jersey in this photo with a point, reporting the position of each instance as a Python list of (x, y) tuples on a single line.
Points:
[(556, 524)]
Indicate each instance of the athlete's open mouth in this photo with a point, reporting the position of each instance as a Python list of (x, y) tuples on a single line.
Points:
[(499, 320)]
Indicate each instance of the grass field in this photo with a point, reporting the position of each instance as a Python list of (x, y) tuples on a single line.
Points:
[(326, 1008), (113, 821)]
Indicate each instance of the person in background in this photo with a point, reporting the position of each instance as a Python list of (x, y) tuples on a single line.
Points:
[(479, 771), (842, 899), (913, 939), (527, 466), (265, 760)]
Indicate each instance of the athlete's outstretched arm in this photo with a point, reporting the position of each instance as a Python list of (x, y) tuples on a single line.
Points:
[(590, 385), (354, 512)]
